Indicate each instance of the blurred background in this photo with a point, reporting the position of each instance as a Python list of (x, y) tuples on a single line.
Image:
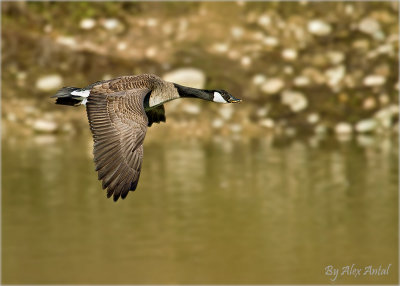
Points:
[(303, 174)]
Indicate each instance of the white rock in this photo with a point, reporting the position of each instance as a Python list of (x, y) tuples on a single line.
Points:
[(384, 99), (295, 100), (42, 125), (343, 128), (319, 28), (237, 32), (290, 131), (369, 26), (262, 112), (313, 118), (87, 24), (220, 47), (289, 54), (270, 41), (236, 128), (259, 79), (335, 75), (187, 76), (122, 46), (49, 82), (369, 103), (245, 61), (111, 24), (226, 111), (191, 108), (385, 115), (66, 41), (217, 123), (302, 81), (320, 129), (374, 80), (264, 21), (366, 125), (11, 117), (267, 122), (152, 22), (288, 70), (272, 85), (151, 52), (336, 57)]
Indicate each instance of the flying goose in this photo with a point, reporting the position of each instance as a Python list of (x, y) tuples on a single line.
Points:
[(119, 111)]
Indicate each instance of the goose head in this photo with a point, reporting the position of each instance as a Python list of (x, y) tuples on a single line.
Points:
[(222, 96)]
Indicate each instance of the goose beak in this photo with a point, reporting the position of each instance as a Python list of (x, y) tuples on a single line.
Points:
[(234, 100)]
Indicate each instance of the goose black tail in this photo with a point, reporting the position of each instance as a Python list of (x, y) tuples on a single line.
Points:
[(64, 96)]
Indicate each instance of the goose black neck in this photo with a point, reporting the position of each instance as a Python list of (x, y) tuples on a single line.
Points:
[(185, 91)]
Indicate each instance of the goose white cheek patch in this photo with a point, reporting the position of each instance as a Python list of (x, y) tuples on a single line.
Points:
[(82, 93), (218, 98)]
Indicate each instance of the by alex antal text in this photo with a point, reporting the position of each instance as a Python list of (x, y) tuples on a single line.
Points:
[(356, 271)]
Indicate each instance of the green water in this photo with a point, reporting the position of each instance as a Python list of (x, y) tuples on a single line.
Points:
[(224, 211)]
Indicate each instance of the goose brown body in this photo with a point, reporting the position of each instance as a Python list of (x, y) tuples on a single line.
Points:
[(119, 112)]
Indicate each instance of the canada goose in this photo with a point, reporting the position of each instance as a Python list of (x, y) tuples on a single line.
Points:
[(119, 111)]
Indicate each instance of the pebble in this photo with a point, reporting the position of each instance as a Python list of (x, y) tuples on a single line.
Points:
[(267, 122), (320, 129), (295, 100), (193, 109), (374, 80), (11, 117), (220, 47), (66, 41), (369, 26), (384, 99), (217, 123), (191, 77), (264, 21), (245, 61), (237, 32), (111, 24), (45, 126), (313, 118), (236, 128), (366, 125), (336, 57), (369, 103), (335, 75), (272, 85), (343, 128), (49, 82), (270, 41), (289, 54), (301, 81), (262, 112), (258, 79), (226, 111), (319, 28), (87, 24), (122, 46)]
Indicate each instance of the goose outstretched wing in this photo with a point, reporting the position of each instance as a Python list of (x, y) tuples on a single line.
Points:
[(118, 123)]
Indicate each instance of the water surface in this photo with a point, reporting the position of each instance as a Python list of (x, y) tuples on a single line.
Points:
[(223, 211)]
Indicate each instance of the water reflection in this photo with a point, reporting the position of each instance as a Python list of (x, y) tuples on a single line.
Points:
[(224, 211)]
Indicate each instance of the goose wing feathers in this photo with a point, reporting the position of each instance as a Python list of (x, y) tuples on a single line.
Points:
[(118, 123)]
